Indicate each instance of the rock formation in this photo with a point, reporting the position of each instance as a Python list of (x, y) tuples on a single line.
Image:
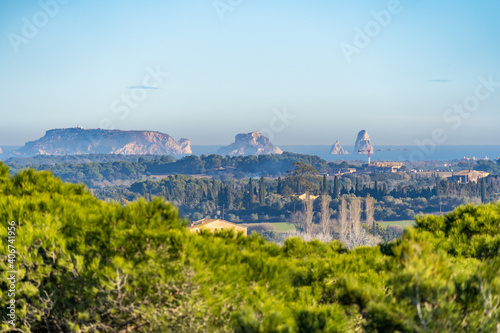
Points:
[(253, 143), (363, 143), (69, 141), (338, 150)]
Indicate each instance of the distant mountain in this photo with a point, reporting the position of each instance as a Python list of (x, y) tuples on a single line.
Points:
[(253, 143), (69, 141), (363, 143), (338, 150)]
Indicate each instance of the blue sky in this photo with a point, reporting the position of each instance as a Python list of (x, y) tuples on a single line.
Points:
[(231, 70)]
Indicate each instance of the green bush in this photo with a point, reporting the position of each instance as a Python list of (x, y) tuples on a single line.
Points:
[(90, 266)]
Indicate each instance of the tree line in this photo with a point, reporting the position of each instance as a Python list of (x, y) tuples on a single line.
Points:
[(275, 199)]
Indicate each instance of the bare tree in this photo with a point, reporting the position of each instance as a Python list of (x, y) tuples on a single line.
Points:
[(343, 224), (325, 238), (355, 214), (325, 222), (354, 235), (369, 211), (308, 213), (303, 220), (351, 232)]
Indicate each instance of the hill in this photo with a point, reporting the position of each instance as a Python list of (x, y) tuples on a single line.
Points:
[(68, 141)]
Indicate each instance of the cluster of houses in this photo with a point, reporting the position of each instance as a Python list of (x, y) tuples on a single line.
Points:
[(462, 177)]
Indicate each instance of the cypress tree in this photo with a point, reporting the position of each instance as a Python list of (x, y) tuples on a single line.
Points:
[(262, 191), (336, 188), (250, 190), (228, 197), (325, 185), (483, 190)]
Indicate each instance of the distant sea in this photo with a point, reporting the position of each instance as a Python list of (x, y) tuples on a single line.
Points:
[(413, 153), (400, 153)]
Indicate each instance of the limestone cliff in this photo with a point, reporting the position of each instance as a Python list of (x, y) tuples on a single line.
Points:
[(69, 141), (338, 150), (363, 143), (253, 143)]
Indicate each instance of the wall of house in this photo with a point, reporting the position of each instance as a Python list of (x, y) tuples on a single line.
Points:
[(216, 226)]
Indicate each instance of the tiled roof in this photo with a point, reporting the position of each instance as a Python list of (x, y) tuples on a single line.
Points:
[(206, 221)]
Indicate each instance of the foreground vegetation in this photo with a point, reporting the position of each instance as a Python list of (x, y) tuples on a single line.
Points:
[(90, 266)]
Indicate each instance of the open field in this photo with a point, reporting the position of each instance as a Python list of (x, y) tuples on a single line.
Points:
[(404, 223), (280, 226), (284, 226), (287, 227)]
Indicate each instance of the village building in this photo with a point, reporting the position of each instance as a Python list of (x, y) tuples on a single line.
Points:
[(467, 176), (386, 167), (216, 225), (303, 196)]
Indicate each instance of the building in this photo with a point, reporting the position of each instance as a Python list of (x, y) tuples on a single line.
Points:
[(340, 171), (386, 167), (216, 225), (386, 164), (466, 176), (303, 196)]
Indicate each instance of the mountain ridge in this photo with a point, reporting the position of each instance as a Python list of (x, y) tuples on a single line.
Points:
[(77, 140)]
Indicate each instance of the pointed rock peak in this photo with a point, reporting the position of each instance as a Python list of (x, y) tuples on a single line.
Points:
[(337, 149), (363, 143), (256, 134)]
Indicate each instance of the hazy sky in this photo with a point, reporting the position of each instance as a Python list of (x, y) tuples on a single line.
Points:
[(399, 69)]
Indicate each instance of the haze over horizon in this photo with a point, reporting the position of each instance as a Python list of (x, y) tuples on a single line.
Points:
[(399, 69)]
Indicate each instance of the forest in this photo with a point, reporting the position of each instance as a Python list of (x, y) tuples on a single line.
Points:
[(229, 187), (274, 199), (93, 169), (86, 265)]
